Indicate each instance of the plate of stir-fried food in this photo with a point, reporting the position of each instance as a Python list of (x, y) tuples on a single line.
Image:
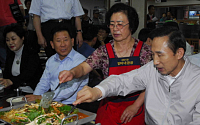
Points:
[(33, 114)]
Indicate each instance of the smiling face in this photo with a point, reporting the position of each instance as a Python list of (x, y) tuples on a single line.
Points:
[(120, 34), (13, 41), (62, 43), (166, 62)]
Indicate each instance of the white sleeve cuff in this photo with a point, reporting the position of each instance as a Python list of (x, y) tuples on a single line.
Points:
[(103, 92)]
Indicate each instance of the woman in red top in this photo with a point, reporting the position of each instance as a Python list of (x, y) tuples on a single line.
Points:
[(122, 54)]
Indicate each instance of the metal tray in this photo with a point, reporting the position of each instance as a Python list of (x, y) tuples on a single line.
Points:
[(91, 115)]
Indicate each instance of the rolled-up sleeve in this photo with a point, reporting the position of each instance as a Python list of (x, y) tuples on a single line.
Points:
[(77, 9), (35, 7)]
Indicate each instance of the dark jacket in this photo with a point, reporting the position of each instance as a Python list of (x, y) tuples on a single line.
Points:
[(30, 68), (151, 25)]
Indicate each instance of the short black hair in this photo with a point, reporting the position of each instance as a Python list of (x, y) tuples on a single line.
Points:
[(90, 32), (104, 27), (26, 1), (174, 24), (85, 10), (144, 34), (127, 10), (176, 38), (60, 28), (150, 6), (14, 27)]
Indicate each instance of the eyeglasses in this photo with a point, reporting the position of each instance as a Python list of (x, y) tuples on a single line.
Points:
[(118, 26)]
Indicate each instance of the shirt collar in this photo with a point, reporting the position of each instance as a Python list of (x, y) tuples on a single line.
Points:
[(150, 14), (69, 56), (19, 52), (179, 71)]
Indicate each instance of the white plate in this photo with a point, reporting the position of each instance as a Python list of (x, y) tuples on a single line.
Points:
[(19, 99)]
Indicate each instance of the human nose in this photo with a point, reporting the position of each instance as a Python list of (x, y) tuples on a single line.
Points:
[(156, 60), (63, 43), (10, 42), (115, 27)]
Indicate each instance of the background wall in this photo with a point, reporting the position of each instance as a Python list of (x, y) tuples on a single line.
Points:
[(139, 5)]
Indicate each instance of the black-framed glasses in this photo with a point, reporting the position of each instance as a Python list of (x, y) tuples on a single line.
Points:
[(118, 26)]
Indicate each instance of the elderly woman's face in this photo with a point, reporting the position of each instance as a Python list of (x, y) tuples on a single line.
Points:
[(119, 26), (13, 41)]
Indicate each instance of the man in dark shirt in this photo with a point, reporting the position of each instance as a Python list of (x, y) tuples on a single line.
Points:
[(151, 19)]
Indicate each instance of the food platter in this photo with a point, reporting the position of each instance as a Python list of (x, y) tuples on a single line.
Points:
[(90, 116)]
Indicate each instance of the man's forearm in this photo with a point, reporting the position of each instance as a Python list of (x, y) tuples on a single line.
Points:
[(78, 23), (81, 70), (37, 25), (140, 100)]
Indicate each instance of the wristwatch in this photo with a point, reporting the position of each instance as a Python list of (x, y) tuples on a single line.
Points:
[(79, 31)]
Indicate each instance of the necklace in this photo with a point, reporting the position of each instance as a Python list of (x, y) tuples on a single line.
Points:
[(18, 60), (124, 53), (131, 43)]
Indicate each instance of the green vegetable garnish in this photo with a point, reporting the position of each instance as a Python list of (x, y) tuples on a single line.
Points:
[(13, 120), (35, 114), (23, 120), (50, 109), (21, 115), (75, 111), (20, 123), (41, 119), (64, 109), (2, 113)]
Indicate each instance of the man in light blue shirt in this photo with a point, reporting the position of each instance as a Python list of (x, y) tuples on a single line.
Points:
[(65, 58), (47, 14)]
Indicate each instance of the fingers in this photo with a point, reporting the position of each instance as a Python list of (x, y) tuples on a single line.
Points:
[(62, 76), (65, 76), (3, 82), (32, 97), (79, 43), (81, 96), (42, 42), (29, 97), (126, 117), (84, 95), (44, 45)]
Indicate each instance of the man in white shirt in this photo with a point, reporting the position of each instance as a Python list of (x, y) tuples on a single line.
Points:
[(48, 14), (171, 82)]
